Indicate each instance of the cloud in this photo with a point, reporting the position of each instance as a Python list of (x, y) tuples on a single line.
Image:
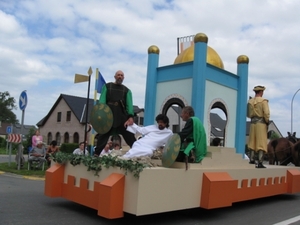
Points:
[(44, 43)]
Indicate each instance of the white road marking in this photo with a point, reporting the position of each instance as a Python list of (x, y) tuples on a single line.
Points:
[(289, 221)]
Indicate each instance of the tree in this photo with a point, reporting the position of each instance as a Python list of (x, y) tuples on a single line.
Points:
[(274, 135), (7, 104)]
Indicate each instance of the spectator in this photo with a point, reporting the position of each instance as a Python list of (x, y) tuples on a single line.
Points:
[(79, 151), (51, 150), (36, 138), (216, 142), (37, 154)]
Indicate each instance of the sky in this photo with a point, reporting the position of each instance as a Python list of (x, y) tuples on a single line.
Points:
[(44, 43)]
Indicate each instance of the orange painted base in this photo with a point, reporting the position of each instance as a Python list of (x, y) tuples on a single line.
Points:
[(107, 196), (220, 190)]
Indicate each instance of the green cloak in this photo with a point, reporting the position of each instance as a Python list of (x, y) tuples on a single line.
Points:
[(199, 143)]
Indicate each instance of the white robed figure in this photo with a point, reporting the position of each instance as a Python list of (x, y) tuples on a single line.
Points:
[(154, 136)]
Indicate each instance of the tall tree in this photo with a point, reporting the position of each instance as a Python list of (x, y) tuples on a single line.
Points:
[(7, 104)]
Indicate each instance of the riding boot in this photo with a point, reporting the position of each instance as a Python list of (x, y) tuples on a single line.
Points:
[(252, 155), (260, 159)]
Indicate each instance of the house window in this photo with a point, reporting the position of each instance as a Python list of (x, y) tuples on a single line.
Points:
[(76, 138), (57, 138), (58, 116), (68, 115), (66, 137), (49, 138)]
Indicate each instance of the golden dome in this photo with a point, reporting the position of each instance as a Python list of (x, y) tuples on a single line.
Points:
[(153, 49), (188, 55), (242, 59), (200, 37)]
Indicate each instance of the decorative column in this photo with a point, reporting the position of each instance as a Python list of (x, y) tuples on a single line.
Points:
[(151, 88), (241, 111), (199, 69)]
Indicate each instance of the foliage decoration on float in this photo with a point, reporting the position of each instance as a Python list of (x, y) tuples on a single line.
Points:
[(97, 163)]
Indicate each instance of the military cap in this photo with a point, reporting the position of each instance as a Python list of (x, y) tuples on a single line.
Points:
[(259, 88)]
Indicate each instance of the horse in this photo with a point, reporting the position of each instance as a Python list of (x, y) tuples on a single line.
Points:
[(281, 150), (296, 153)]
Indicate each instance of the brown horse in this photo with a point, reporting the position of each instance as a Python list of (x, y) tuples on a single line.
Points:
[(296, 153), (281, 150)]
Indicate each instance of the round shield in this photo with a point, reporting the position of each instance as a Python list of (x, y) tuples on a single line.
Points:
[(171, 150), (101, 118)]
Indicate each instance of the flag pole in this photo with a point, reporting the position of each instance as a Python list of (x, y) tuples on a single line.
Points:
[(83, 78), (92, 139)]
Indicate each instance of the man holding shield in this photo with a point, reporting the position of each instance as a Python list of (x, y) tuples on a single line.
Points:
[(119, 99), (193, 138)]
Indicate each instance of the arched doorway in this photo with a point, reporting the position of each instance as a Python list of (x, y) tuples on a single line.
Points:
[(172, 108), (49, 138), (66, 137), (57, 138), (218, 122), (76, 138)]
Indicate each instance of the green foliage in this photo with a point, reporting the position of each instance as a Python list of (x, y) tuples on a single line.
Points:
[(96, 163), (68, 147), (274, 135), (7, 104), (2, 142)]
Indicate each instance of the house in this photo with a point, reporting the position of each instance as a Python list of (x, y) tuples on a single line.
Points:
[(65, 122), (16, 129)]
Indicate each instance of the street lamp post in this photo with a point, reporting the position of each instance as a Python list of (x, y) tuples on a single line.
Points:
[(292, 111)]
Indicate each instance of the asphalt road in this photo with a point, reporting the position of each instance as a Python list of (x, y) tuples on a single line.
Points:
[(22, 201)]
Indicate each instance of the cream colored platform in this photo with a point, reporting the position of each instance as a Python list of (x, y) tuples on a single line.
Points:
[(222, 178)]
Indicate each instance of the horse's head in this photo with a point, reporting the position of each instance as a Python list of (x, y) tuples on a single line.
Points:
[(292, 138)]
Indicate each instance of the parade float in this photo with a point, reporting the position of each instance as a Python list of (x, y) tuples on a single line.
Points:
[(221, 179)]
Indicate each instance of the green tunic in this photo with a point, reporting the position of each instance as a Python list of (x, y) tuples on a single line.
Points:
[(119, 99), (195, 136)]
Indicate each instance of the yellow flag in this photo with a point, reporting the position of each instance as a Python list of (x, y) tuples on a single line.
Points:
[(80, 78)]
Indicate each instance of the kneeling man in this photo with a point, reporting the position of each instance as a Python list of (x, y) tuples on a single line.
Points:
[(154, 136)]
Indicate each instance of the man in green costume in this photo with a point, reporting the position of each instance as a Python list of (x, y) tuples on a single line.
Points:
[(193, 138), (119, 99)]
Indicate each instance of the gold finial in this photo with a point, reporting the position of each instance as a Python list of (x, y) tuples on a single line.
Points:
[(200, 37), (153, 49), (242, 59), (90, 71)]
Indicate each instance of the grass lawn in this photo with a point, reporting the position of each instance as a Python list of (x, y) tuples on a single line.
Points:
[(12, 168), (23, 171)]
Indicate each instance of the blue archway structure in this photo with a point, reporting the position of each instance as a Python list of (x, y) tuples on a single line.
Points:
[(199, 84)]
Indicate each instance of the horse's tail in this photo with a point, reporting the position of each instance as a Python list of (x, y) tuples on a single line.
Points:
[(274, 143)]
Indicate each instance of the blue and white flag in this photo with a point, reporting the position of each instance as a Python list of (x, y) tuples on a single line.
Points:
[(100, 83)]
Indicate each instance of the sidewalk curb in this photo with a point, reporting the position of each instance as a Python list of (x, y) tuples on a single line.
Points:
[(24, 177)]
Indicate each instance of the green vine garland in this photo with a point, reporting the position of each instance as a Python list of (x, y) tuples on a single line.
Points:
[(96, 163)]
